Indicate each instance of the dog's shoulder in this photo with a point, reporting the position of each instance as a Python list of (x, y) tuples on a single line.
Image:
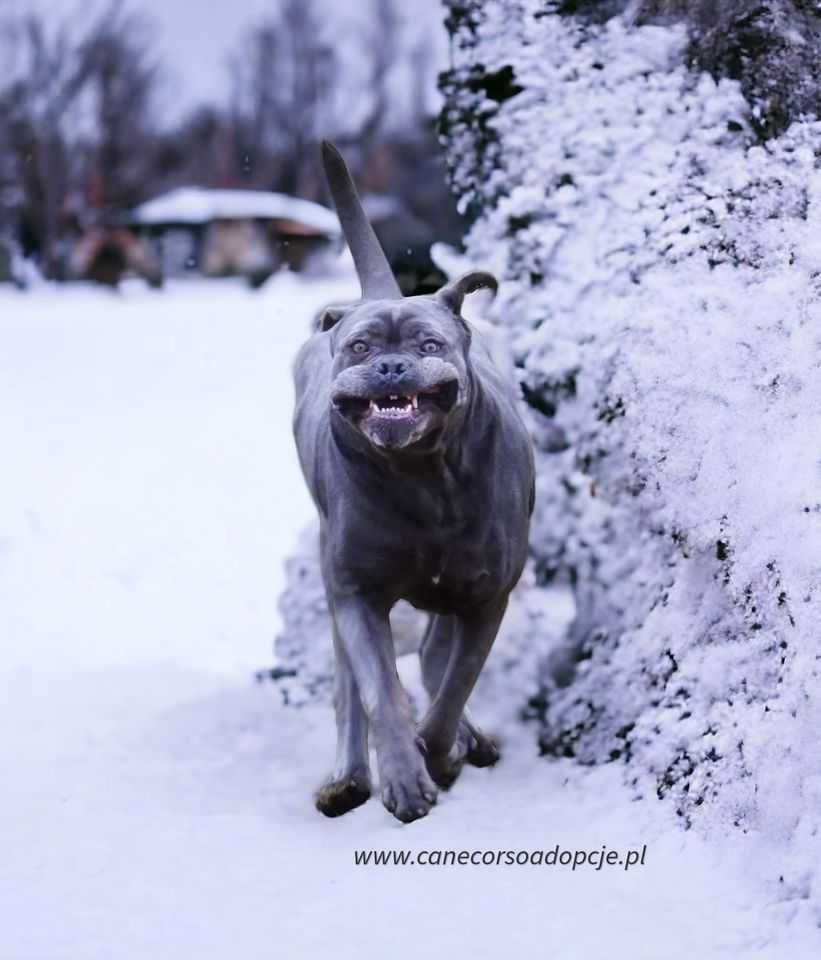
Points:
[(312, 379), (494, 345), (492, 359), (312, 363)]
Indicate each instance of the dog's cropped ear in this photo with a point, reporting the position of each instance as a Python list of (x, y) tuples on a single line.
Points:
[(455, 292), (329, 317)]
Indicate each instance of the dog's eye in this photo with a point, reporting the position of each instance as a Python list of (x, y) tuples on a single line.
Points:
[(430, 346), (359, 346)]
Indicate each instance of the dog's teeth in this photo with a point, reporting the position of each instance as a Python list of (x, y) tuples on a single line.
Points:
[(394, 405)]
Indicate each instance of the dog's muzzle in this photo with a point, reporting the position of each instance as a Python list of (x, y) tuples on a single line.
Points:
[(396, 411)]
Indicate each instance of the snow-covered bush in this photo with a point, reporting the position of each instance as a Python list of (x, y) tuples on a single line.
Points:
[(662, 287)]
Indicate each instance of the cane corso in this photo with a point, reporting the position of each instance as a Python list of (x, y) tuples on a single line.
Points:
[(422, 472)]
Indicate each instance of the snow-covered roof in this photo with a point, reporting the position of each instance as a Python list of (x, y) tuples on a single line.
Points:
[(201, 205)]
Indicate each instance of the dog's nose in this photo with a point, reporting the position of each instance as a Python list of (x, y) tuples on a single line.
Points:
[(392, 368)]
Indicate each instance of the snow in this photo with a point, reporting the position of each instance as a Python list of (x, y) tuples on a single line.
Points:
[(202, 205), (156, 800), (139, 477)]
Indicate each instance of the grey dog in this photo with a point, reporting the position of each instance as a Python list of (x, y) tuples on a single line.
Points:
[(422, 472)]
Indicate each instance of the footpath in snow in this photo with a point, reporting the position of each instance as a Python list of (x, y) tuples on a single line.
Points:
[(156, 801)]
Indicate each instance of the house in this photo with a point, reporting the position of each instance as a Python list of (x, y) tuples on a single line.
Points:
[(248, 233)]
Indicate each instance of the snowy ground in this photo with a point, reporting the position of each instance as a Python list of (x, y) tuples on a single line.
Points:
[(156, 802)]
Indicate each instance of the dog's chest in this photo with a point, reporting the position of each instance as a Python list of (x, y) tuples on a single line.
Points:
[(452, 575), (436, 539), (452, 555), (447, 594)]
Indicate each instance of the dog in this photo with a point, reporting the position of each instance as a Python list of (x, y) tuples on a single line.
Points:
[(421, 469)]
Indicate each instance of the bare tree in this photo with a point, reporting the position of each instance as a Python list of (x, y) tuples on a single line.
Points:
[(384, 46), (43, 78), (282, 81), (292, 86), (204, 149), (72, 108), (122, 78)]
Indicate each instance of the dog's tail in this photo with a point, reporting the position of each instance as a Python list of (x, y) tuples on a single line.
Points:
[(372, 267)]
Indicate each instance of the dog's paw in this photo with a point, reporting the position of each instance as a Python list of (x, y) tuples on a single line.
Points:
[(445, 768), (481, 750), (346, 793), (409, 799), (407, 790)]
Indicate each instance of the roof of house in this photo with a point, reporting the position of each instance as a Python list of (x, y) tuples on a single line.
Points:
[(201, 205)]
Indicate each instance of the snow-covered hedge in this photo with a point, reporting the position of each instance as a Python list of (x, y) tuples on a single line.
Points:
[(662, 286)]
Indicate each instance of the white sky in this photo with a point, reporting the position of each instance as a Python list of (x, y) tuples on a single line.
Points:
[(195, 37)]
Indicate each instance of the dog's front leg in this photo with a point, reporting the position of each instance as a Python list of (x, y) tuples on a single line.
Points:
[(350, 785), (365, 636), (471, 639)]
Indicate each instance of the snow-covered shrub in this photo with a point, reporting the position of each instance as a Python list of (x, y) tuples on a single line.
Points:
[(661, 271), (772, 49)]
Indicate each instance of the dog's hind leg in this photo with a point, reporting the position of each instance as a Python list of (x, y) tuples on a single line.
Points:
[(434, 651), (472, 745), (472, 638), (350, 784), (482, 750)]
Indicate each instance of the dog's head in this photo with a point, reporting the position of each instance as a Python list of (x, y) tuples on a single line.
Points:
[(400, 364), (400, 369)]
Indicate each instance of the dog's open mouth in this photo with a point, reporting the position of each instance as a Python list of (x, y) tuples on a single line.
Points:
[(402, 406), (394, 406)]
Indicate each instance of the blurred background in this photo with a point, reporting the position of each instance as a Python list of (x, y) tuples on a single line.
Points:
[(172, 140)]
